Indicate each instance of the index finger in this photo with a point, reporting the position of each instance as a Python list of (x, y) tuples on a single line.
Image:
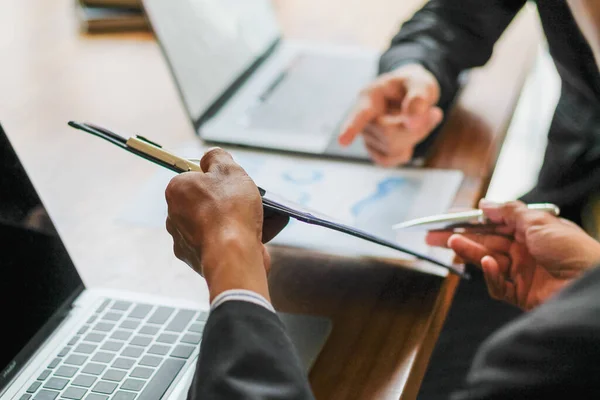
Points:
[(358, 120), (503, 214)]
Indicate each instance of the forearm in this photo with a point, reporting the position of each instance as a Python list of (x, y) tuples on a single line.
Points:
[(450, 36)]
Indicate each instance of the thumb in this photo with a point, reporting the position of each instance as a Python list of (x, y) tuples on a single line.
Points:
[(420, 97)]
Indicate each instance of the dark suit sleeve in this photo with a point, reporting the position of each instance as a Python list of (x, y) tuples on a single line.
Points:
[(450, 36), (550, 352), (246, 354)]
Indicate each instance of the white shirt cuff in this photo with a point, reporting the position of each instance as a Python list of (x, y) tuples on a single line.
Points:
[(241, 295)]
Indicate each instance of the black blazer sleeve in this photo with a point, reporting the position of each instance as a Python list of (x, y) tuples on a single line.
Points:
[(450, 36), (550, 352), (246, 354)]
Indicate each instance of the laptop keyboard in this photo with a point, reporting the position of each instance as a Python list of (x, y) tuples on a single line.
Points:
[(125, 351)]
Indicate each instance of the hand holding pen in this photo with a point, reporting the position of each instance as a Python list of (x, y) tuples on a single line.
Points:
[(527, 254)]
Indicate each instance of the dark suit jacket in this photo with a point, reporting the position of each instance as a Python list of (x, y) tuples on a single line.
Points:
[(450, 37), (246, 354), (551, 351)]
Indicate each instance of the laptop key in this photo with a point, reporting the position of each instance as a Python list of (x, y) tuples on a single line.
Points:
[(94, 396), (180, 321), (83, 329), (161, 315), (94, 337), (121, 305), (46, 373), (64, 351), (115, 375), (133, 384), (132, 351), (33, 387), (112, 316), (66, 372), (121, 395), (45, 395), (167, 338), (140, 311), (121, 335), (161, 381), (191, 338), (149, 330), (76, 359), (141, 340), (103, 306), (103, 357), (196, 327), (74, 340), (84, 380), (182, 351), (85, 348), (151, 361), (159, 349), (129, 324), (104, 387), (203, 316), (123, 363), (74, 393), (92, 318), (142, 372), (54, 363), (25, 396), (111, 345), (93, 368), (56, 383), (104, 326)]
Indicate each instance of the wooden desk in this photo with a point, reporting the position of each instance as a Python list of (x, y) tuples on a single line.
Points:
[(386, 319)]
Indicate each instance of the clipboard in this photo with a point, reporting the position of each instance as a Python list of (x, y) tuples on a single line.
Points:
[(272, 203)]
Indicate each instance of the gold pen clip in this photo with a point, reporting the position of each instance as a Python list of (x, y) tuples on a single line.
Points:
[(155, 150)]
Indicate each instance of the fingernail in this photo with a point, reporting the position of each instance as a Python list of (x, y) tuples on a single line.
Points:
[(211, 149), (488, 204)]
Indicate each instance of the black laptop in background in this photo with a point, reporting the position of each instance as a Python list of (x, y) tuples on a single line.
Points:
[(61, 340)]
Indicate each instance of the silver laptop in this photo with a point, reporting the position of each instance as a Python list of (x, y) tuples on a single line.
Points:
[(243, 84), (61, 340)]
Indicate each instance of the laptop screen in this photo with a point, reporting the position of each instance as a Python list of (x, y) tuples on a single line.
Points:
[(38, 277), (209, 44)]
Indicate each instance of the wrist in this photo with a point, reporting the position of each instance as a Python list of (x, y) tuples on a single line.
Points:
[(233, 259)]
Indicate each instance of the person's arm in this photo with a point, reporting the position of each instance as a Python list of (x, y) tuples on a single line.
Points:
[(397, 113), (246, 354), (218, 227), (450, 36), (551, 352)]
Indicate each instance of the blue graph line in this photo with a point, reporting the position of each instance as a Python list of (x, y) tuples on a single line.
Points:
[(389, 203), (302, 177)]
